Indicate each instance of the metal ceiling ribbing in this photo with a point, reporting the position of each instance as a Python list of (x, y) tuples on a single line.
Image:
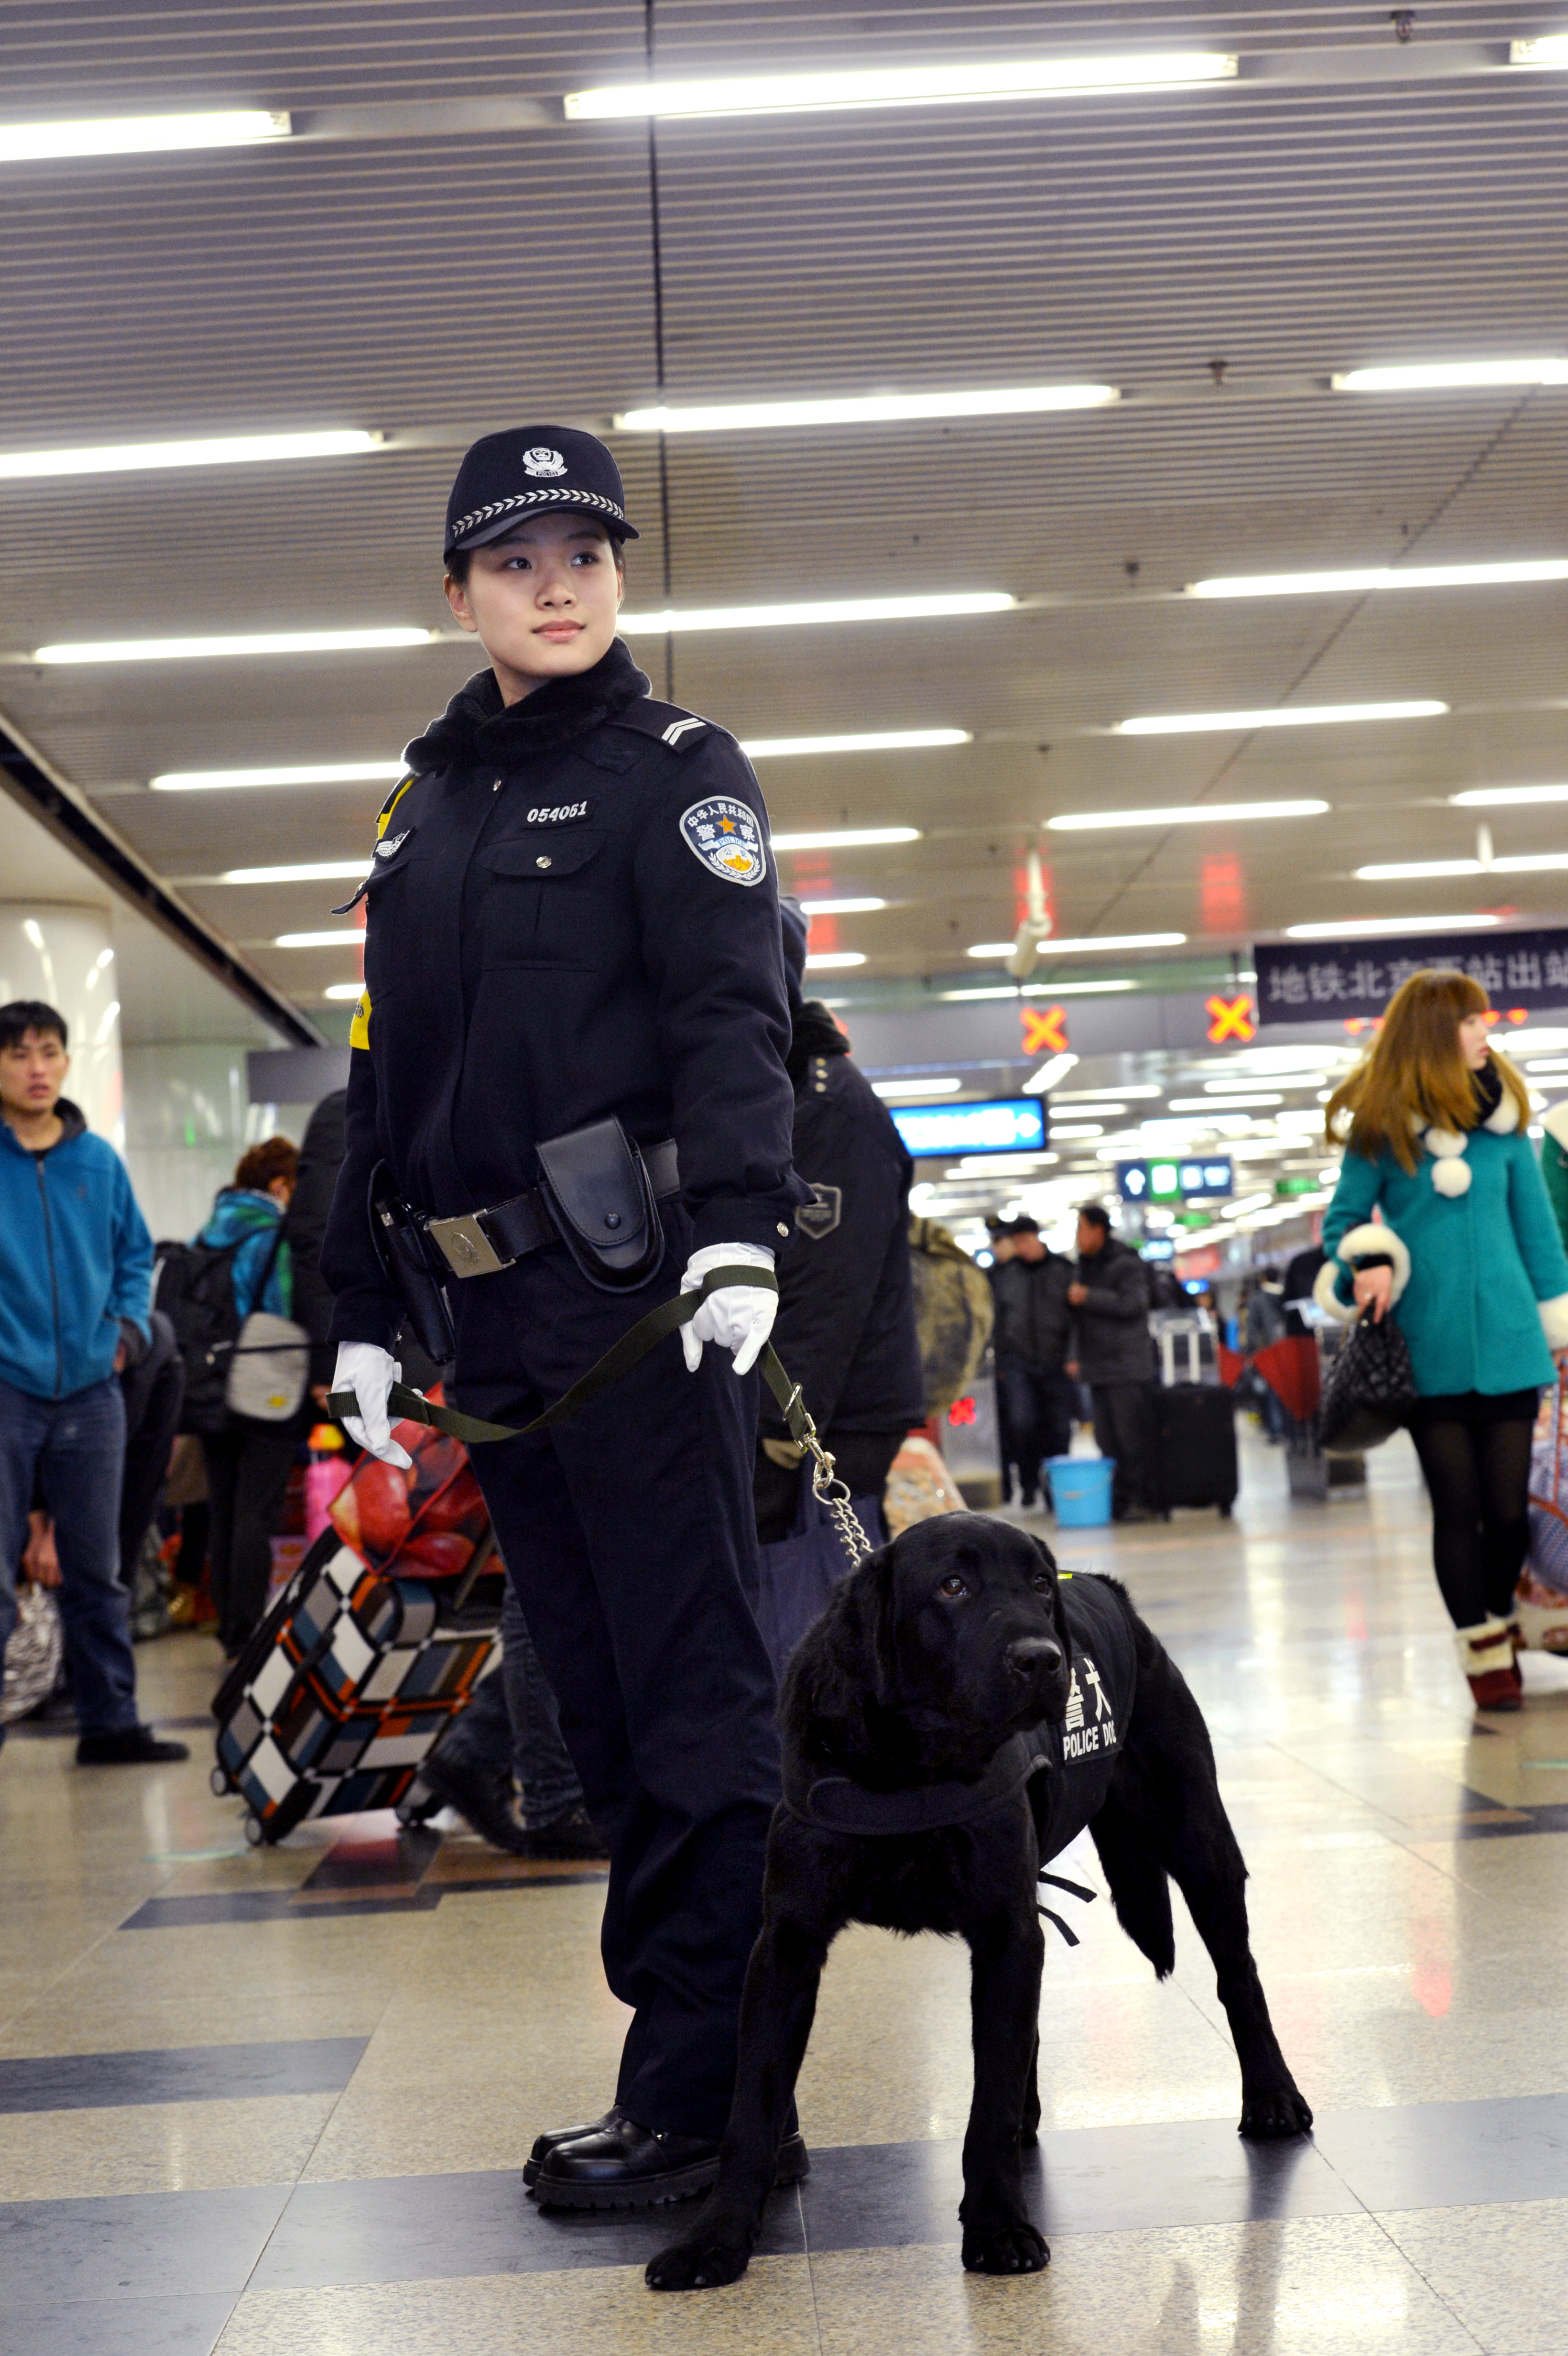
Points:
[(427, 279)]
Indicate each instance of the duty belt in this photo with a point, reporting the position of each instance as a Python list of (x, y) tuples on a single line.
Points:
[(480, 1243)]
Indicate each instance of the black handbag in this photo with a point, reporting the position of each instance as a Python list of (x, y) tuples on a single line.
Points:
[(799, 1573), (1371, 1390)]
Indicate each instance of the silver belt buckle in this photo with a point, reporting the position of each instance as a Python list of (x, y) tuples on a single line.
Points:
[(465, 1246)]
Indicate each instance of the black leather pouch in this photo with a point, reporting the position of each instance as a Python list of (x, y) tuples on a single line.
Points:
[(402, 1252), (602, 1201)]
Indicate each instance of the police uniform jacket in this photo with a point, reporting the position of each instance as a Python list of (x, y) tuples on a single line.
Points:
[(845, 1324), (570, 912)]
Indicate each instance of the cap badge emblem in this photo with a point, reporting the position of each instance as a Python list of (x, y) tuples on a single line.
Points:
[(539, 461)]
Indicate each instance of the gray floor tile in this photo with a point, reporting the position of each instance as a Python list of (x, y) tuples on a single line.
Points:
[(188, 2074), (1444, 2155), (119, 2327), (1081, 2181), (134, 2245), (430, 2228)]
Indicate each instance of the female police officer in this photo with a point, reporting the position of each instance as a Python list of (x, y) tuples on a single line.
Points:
[(572, 923)]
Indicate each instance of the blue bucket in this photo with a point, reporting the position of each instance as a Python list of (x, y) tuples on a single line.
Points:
[(1081, 1490)]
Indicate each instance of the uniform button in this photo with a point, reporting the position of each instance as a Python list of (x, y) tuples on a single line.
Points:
[(612, 1218), (782, 1230), (542, 861), (497, 785)]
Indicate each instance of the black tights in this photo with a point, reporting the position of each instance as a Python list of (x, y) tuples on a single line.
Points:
[(1478, 1478)]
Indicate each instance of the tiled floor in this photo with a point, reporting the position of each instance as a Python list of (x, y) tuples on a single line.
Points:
[(275, 2104)]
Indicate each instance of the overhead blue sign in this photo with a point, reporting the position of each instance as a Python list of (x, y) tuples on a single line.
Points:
[(1174, 1179), (1001, 1125)]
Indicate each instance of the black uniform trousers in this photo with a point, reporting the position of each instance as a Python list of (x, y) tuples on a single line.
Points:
[(629, 1535)]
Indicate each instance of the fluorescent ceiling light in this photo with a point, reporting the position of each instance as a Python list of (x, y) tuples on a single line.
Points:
[(1222, 1104), (342, 938), (1310, 715), (1078, 1128), (1508, 797), (835, 962), (229, 450), (1045, 1077), (284, 642), (343, 989), (900, 85), (1095, 1111), (1550, 1067), (137, 135), (1239, 1084), (872, 409), (840, 609), (895, 740), (341, 773), (1546, 50), (1445, 376), (862, 837), (840, 907), (1041, 989), (918, 1084), (1135, 1090), (999, 1165), (1182, 814), (1380, 576), (1532, 862), (1348, 926), (320, 871), (1085, 948)]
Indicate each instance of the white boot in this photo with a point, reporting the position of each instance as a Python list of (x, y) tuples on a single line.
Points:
[(1486, 1658)]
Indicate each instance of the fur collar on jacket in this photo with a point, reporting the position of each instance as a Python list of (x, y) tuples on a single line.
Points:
[(477, 726)]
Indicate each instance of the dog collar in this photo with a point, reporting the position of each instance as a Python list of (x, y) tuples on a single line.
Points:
[(837, 1803)]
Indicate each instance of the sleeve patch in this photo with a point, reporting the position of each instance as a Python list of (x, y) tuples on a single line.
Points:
[(725, 836)]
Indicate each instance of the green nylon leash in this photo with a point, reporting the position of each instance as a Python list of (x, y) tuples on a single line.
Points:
[(412, 1406)]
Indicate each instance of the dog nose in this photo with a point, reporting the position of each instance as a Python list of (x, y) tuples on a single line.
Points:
[(1029, 1657)]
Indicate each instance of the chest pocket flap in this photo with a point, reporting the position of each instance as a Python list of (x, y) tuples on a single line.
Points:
[(391, 855), (543, 854)]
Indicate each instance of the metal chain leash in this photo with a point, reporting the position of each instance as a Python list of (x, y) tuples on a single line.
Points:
[(826, 1485)]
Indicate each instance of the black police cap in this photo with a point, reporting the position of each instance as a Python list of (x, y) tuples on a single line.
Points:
[(533, 470)]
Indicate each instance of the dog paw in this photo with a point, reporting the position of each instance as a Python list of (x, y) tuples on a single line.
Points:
[(1005, 2250), (701, 2263), (1269, 2117)]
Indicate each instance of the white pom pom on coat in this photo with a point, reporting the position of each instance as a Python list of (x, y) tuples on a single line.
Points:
[(1450, 1175)]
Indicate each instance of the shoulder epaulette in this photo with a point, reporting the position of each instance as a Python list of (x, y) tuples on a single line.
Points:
[(678, 729)]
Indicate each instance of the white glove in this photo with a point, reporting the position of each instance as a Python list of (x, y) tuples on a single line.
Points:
[(370, 1373), (739, 1317)]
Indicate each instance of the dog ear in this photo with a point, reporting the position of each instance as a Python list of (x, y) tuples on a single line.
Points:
[(841, 1671)]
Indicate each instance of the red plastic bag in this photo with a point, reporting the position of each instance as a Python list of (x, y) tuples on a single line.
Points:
[(419, 1521)]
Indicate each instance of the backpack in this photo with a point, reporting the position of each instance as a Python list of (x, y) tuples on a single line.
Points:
[(194, 1286), (953, 1313)]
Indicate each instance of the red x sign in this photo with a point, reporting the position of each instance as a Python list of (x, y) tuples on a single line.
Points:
[(1044, 1026), (1230, 1018)]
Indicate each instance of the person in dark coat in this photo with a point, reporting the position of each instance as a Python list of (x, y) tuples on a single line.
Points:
[(153, 1388), (1115, 1356), (846, 1328), (573, 965), (1035, 1393)]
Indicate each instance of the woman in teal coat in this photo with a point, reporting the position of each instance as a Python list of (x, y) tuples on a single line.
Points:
[(1468, 1257)]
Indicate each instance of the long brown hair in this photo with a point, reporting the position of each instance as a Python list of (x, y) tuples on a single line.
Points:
[(1414, 1072)]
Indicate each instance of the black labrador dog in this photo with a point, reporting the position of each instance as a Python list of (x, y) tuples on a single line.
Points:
[(959, 1712)]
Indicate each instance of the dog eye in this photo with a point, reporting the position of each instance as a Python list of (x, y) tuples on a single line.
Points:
[(1042, 1581), (953, 1586)]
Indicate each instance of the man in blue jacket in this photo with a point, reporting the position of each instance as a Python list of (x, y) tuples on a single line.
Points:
[(75, 1265)]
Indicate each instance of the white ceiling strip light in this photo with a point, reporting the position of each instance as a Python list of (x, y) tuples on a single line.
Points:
[(860, 838), (1311, 716), (138, 134), (1183, 814), (225, 450), (283, 642), (840, 609), (866, 408), (1354, 581), (894, 740), (1452, 376), (1348, 926), (1112, 941), (900, 85), (338, 772)]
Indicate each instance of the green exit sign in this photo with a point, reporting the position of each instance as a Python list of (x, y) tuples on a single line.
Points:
[(1302, 1185)]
